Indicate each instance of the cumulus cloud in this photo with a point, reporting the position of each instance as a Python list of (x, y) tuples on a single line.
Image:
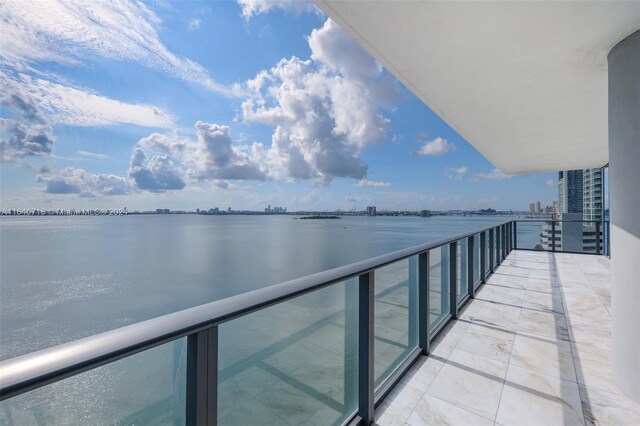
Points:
[(256, 7), (324, 110), (68, 32), (156, 175), (81, 107), (550, 183), (167, 144), (215, 158), (83, 183), (19, 140), (456, 173), (373, 184), (29, 134), (436, 147), (494, 174)]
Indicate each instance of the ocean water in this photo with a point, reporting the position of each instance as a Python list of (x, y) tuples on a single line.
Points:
[(63, 278)]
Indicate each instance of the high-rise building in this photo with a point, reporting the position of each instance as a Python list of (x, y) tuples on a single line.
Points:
[(592, 194), (580, 199), (570, 189)]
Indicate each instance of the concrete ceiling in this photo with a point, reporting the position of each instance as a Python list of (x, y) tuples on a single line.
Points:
[(524, 82)]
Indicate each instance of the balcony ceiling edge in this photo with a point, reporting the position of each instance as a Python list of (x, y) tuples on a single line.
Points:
[(525, 83)]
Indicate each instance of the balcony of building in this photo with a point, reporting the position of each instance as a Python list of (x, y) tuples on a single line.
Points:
[(478, 328), (533, 348)]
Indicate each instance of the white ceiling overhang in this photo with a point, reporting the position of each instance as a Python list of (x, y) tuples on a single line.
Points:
[(524, 82)]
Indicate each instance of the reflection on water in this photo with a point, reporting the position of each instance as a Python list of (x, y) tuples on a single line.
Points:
[(292, 363)]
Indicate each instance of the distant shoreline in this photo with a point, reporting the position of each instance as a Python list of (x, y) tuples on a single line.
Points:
[(320, 217)]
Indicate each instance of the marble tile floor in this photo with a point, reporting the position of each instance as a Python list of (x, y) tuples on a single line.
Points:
[(535, 350)]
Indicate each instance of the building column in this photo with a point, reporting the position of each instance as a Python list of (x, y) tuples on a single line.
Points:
[(624, 173)]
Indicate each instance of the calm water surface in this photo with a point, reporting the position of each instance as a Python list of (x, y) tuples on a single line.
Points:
[(63, 278), (67, 277)]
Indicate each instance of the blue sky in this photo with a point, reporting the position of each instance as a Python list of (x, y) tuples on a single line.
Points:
[(188, 105)]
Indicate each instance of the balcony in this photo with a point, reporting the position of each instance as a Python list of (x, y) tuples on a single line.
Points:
[(534, 347), (511, 336)]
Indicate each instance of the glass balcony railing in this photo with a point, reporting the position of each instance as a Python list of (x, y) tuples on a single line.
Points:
[(569, 236), (321, 349)]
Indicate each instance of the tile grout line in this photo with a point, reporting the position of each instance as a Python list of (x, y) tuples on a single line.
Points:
[(495, 421)]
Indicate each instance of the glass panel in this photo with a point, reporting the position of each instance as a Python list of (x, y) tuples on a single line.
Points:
[(578, 236), (146, 388), (606, 239), (463, 283), (605, 214), (496, 246), (535, 235), (476, 259), (291, 363), (395, 327), (487, 251), (438, 285)]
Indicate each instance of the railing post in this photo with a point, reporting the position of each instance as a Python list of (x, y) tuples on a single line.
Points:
[(202, 377), (424, 338), (365, 347), (515, 235), (470, 269), (553, 235), (483, 257), (491, 248), (597, 237), (453, 279)]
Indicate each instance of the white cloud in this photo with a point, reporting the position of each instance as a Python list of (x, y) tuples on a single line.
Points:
[(215, 157), (69, 32), (93, 155), (23, 140), (194, 24), (29, 132), (81, 107), (494, 174), (83, 183), (256, 7), (550, 183), (324, 110), (436, 147), (456, 173), (156, 175), (373, 184), (171, 144)]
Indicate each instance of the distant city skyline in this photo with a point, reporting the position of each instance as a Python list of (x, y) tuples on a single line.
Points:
[(193, 104)]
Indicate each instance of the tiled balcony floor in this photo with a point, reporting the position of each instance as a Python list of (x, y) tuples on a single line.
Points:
[(533, 348)]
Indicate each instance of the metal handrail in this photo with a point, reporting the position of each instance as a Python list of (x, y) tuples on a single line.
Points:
[(558, 220), (31, 371)]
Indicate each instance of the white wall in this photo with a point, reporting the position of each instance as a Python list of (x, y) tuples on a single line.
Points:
[(624, 169)]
